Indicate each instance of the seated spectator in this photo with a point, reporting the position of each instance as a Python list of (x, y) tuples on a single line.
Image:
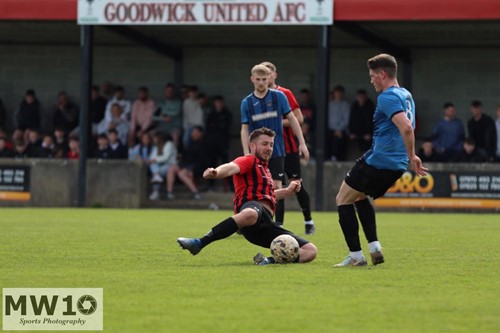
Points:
[(61, 145), (3, 115), (142, 150), (20, 149), (218, 134), (361, 120), (102, 150), (168, 117), (4, 151), (494, 139), (308, 110), (48, 147), (8, 143), (118, 98), (65, 114), (163, 157), (117, 149), (34, 146), (27, 116), (141, 118), (479, 125), (338, 124), (107, 89), (73, 148), (116, 122), (427, 153), (448, 134), (191, 166), (205, 105), (470, 153)]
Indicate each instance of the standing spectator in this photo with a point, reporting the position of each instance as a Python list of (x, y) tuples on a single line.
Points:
[(309, 113), (493, 139), (116, 122), (361, 120), (205, 105), (119, 97), (427, 153), (102, 150), (27, 116), (3, 115), (169, 114), (74, 148), (479, 125), (218, 134), (107, 90), (142, 150), (162, 159), (338, 123), (117, 149), (142, 113), (192, 165), (470, 153), (448, 134), (4, 151), (65, 113), (60, 143), (192, 115), (97, 108)]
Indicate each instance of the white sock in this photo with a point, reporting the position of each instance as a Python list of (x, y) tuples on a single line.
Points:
[(356, 255), (310, 222), (374, 246)]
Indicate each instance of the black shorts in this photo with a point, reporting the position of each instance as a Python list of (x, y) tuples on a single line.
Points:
[(370, 180), (277, 168), (265, 230), (292, 166)]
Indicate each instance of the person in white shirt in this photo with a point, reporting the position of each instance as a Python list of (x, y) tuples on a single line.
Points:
[(119, 97), (163, 157)]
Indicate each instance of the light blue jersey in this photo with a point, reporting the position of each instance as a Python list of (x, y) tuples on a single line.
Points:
[(388, 150)]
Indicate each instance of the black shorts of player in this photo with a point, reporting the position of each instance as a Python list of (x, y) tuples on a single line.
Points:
[(292, 165), (265, 230), (370, 180), (277, 168)]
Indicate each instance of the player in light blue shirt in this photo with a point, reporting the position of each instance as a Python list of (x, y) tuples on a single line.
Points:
[(374, 173)]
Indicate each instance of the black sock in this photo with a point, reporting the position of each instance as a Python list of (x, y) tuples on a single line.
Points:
[(222, 230), (366, 214), (349, 225), (305, 203), (271, 260), (280, 212)]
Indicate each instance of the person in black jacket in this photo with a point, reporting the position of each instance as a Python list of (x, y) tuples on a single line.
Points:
[(470, 153), (361, 120), (27, 116)]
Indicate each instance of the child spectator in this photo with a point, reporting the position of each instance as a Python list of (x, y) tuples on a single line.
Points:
[(470, 153), (117, 149), (427, 153), (60, 143), (142, 150), (163, 157), (102, 150), (4, 151), (116, 122), (48, 147), (74, 148)]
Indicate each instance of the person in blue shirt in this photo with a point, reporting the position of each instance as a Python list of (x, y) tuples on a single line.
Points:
[(266, 108), (448, 134), (374, 173)]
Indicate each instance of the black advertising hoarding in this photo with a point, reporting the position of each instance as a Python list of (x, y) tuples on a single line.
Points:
[(445, 189), (15, 183)]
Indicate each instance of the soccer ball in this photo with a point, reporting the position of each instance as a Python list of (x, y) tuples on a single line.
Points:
[(284, 249)]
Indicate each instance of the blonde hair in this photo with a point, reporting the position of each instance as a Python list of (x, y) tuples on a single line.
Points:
[(260, 70), (269, 65)]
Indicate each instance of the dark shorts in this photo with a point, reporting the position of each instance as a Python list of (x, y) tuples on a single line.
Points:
[(265, 230), (277, 168), (292, 165), (370, 180)]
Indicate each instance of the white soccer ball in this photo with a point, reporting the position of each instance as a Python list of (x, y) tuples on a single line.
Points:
[(284, 249)]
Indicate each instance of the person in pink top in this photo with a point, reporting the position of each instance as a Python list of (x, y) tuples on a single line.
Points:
[(142, 113)]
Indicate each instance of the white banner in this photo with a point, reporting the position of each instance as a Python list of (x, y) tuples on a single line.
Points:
[(204, 12)]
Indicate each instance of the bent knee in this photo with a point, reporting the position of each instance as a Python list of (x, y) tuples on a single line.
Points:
[(309, 252), (247, 217)]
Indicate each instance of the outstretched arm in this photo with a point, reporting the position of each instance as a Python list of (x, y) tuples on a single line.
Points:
[(222, 171), (406, 130)]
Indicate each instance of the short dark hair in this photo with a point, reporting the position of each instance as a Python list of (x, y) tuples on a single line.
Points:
[(261, 131), (30, 92), (339, 88), (448, 105), (304, 91), (112, 130), (170, 85), (470, 141), (476, 104), (384, 62), (119, 88), (218, 98), (143, 88), (95, 87), (362, 92)]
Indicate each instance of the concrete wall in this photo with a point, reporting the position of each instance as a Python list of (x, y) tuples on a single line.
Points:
[(54, 183)]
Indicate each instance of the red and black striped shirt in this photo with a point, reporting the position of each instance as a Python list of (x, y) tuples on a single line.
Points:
[(253, 183), (291, 144)]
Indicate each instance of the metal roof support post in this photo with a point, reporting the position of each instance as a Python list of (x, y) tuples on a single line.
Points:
[(86, 46), (322, 109)]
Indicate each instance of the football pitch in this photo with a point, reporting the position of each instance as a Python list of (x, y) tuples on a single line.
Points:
[(442, 272)]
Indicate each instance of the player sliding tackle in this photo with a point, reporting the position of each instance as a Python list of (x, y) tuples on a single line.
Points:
[(254, 202)]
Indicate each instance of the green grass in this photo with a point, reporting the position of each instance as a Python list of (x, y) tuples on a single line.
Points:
[(441, 272)]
